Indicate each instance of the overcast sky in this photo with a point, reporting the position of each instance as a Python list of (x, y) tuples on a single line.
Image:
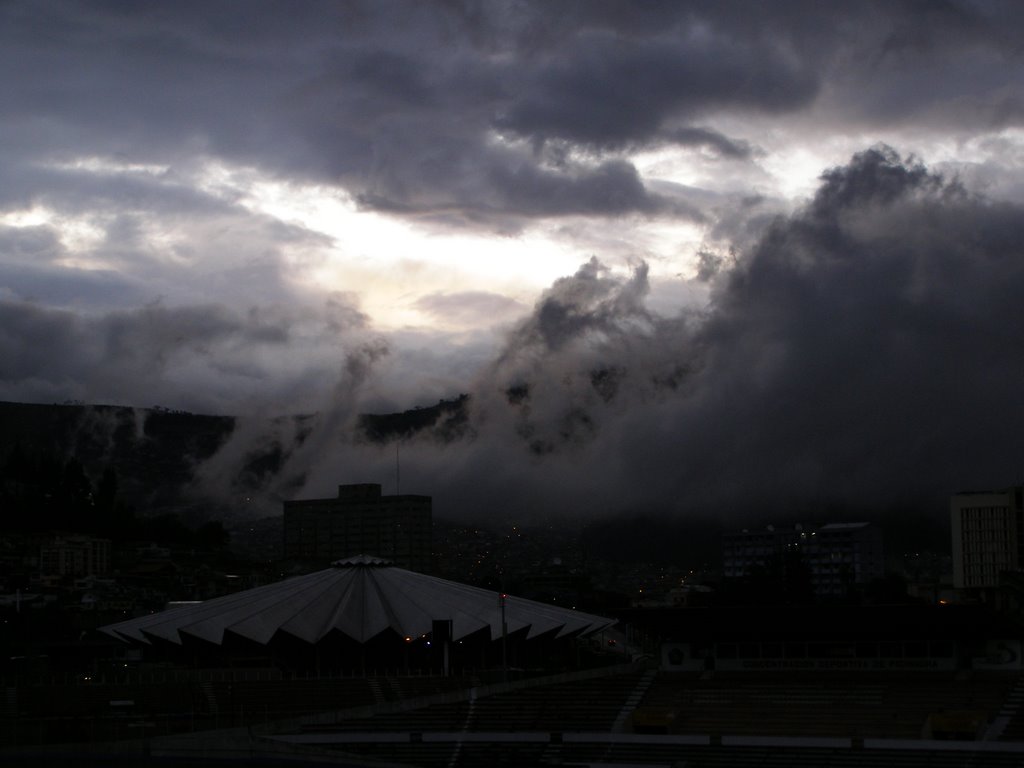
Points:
[(682, 255)]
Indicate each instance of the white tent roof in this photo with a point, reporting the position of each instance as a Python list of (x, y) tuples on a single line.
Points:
[(361, 597)]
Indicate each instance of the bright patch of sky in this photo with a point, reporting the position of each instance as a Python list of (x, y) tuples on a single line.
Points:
[(79, 235), (392, 262)]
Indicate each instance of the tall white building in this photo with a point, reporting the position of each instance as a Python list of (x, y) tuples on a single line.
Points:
[(987, 536)]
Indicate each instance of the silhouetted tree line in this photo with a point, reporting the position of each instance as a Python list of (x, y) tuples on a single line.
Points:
[(44, 493)]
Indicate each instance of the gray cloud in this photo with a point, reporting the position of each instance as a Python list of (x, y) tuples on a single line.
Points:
[(470, 307), (91, 289), (591, 303), (28, 245), (397, 102), (150, 235), (611, 188), (853, 348), (204, 357), (863, 353), (713, 140), (340, 94), (866, 341), (608, 90)]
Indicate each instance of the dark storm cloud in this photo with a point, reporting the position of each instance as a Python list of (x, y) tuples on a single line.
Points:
[(944, 66), (865, 352), (94, 289), (608, 91), (352, 101), (398, 102), (867, 347), (206, 357), (611, 188), (861, 347), (54, 347), (512, 185), (591, 302)]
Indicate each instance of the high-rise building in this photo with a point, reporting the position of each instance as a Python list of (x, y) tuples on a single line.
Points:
[(836, 555), (988, 536), (360, 521), (748, 549), (841, 554), (75, 556)]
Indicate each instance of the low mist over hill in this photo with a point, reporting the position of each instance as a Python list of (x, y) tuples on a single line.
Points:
[(163, 459), (204, 467), (153, 451)]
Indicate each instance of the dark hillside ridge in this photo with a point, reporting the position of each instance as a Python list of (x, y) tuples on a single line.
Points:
[(444, 422), (153, 450)]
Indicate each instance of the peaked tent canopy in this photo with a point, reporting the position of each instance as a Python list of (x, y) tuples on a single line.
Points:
[(361, 597)]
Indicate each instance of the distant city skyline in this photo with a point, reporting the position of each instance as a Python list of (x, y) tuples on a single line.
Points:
[(682, 257)]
